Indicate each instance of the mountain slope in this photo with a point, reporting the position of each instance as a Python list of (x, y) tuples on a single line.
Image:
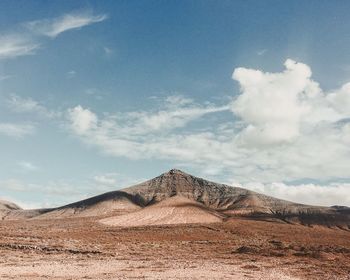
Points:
[(174, 210), (108, 203)]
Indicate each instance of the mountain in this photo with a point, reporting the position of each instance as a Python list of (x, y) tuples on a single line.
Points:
[(216, 196), (177, 197)]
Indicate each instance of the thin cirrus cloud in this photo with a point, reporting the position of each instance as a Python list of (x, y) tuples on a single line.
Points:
[(28, 166), (24, 43), (16, 130), (19, 104), (280, 124), (58, 193), (323, 195), (5, 77), (30, 106), (108, 179), (12, 46), (53, 27)]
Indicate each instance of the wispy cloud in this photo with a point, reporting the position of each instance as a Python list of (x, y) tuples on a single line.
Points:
[(323, 195), (5, 77), (107, 179), (19, 104), (58, 193), (53, 27), (52, 193), (175, 113), (108, 51), (71, 74), (25, 43), (261, 52), (26, 165), (16, 130), (96, 93), (12, 46)]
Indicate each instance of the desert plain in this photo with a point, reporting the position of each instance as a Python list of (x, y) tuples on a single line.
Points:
[(176, 226), (237, 249)]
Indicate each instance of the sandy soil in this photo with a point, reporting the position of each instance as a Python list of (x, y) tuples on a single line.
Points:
[(237, 249), (175, 210)]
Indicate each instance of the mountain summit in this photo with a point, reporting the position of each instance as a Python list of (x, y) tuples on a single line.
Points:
[(213, 195)]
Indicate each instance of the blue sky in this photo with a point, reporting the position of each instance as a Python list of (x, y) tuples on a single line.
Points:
[(98, 95)]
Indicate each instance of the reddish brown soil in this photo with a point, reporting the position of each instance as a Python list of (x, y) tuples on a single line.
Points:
[(237, 249)]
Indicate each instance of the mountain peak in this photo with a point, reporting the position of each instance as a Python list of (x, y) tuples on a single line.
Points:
[(175, 171)]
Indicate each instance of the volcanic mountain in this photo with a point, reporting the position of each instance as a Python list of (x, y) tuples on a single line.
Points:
[(177, 197)]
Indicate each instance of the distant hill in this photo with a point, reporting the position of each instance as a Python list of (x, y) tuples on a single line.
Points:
[(6, 205)]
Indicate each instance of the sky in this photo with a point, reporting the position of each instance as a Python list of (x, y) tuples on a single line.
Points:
[(99, 95)]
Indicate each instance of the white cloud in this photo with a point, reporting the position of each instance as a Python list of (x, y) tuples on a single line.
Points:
[(108, 51), (108, 179), (24, 43), (26, 165), (20, 104), (53, 27), (61, 192), (16, 130), (280, 107), (340, 100), (12, 46), (261, 52), (288, 121), (272, 104), (82, 120), (313, 194), (170, 119), (51, 194), (5, 77), (177, 112), (12, 184), (139, 134), (71, 74), (28, 105)]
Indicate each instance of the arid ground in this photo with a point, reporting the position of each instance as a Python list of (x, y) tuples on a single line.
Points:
[(84, 248)]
